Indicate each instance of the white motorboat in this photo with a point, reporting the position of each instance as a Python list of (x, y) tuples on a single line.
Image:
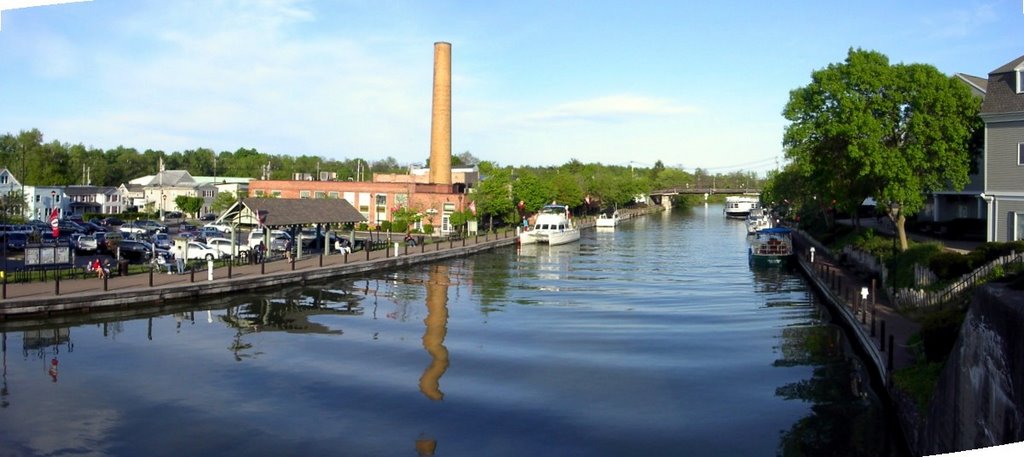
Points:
[(739, 206), (758, 219), (606, 221), (553, 227)]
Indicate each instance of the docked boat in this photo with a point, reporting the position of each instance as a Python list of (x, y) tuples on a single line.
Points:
[(606, 221), (553, 227), (771, 246), (739, 206), (758, 219)]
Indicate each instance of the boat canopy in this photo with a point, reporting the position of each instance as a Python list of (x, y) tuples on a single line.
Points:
[(777, 230)]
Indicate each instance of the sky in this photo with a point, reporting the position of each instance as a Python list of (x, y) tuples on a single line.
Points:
[(535, 82)]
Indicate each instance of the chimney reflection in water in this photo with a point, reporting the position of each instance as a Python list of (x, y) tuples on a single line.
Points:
[(436, 329)]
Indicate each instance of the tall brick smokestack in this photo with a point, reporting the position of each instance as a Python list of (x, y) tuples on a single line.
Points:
[(441, 116)]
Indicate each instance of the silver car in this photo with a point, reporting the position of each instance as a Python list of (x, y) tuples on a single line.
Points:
[(84, 243)]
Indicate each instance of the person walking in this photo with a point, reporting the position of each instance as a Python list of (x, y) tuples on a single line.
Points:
[(179, 259)]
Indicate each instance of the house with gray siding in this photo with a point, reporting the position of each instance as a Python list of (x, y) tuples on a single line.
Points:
[(1003, 167)]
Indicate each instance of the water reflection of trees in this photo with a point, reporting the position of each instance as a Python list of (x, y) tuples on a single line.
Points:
[(842, 421)]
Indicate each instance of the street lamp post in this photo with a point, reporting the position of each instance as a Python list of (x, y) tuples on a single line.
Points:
[(163, 203)]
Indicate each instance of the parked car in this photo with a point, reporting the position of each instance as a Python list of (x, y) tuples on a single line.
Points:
[(134, 251), (278, 239), (172, 215), (225, 246), (16, 241), (92, 227), (151, 226), (84, 243), (208, 217), (199, 251), (111, 221), (220, 227), (205, 233), (106, 242), (162, 240)]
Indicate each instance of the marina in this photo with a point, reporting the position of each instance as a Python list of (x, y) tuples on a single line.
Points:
[(623, 342)]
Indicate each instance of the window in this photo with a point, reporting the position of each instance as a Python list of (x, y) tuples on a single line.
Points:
[(304, 194), (320, 194), (275, 193), (1020, 153), (1018, 226), (1020, 80), (334, 195), (259, 193)]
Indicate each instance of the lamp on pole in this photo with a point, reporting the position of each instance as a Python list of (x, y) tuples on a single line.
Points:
[(163, 203)]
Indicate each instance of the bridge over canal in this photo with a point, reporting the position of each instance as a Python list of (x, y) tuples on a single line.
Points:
[(659, 196)]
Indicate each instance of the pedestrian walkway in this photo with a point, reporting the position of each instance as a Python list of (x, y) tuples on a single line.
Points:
[(880, 329), (38, 297)]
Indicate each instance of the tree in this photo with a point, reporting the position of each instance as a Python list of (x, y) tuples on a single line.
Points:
[(189, 205), (867, 128), (223, 201)]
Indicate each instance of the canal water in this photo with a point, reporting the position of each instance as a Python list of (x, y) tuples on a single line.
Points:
[(656, 338)]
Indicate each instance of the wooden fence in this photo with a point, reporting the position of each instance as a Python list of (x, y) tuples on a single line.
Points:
[(919, 298)]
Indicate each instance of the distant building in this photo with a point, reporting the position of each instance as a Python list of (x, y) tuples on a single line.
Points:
[(160, 190), (376, 201), (82, 200)]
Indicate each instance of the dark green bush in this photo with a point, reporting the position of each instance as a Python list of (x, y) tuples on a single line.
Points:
[(951, 265), (939, 331)]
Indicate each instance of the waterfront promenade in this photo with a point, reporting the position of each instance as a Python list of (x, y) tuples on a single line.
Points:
[(43, 298)]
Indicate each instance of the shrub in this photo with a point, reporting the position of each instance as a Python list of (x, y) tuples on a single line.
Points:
[(901, 265), (428, 229), (951, 265), (939, 331), (385, 226), (399, 226)]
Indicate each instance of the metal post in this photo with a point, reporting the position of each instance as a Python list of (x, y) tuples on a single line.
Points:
[(104, 283), (872, 321), (230, 262), (192, 273), (150, 277), (56, 282), (891, 351), (321, 257), (345, 259), (263, 264), (881, 341)]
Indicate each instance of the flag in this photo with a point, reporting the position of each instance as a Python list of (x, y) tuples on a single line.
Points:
[(472, 207), (55, 222)]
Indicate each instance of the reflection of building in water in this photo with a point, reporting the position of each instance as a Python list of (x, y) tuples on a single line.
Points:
[(436, 329), (45, 342)]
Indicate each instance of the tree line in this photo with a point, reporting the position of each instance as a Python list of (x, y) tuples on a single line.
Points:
[(586, 187)]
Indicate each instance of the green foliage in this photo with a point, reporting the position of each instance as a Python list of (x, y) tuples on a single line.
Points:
[(189, 205), (385, 226), (951, 265), (867, 128), (222, 201), (428, 229), (901, 265), (919, 382)]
